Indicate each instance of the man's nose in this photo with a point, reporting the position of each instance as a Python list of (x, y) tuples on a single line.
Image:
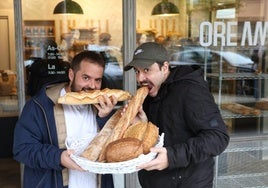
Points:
[(140, 77), (92, 84)]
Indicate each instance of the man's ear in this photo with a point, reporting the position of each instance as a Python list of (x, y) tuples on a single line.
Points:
[(71, 74), (165, 66)]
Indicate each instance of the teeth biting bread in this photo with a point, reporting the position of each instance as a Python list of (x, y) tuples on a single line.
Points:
[(92, 96)]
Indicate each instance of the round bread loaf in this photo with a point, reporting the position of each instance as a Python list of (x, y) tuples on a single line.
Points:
[(136, 130), (150, 137), (147, 132), (123, 149)]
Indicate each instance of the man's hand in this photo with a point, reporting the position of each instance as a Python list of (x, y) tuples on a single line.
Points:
[(67, 162), (105, 105), (159, 163), (141, 116)]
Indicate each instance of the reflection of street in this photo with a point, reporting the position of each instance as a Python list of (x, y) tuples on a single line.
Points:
[(190, 55), (113, 74), (227, 72)]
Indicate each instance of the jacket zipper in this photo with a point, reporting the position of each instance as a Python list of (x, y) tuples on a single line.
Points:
[(49, 134)]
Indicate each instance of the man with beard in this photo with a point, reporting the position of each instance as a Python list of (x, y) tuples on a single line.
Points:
[(44, 125), (180, 104)]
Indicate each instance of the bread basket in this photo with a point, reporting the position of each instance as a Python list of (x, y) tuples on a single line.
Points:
[(108, 168)]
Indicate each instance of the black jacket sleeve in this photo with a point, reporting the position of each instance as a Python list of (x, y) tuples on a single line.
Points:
[(209, 134)]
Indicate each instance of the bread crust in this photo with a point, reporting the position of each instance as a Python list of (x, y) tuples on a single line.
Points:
[(92, 96), (150, 137), (136, 131), (147, 132), (132, 110), (240, 109), (94, 148), (123, 149)]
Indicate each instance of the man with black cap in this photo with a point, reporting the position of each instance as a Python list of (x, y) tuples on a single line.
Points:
[(181, 105)]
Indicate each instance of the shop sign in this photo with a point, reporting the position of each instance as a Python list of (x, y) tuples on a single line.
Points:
[(225, 34)]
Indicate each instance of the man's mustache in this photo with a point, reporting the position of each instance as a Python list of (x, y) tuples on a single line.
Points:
[(86, 89)]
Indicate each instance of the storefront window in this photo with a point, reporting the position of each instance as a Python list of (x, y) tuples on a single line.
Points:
[(56, 37), (228, 39)]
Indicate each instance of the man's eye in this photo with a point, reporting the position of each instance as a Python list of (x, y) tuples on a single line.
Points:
[(85, 77), (99, 80), (146, 70)]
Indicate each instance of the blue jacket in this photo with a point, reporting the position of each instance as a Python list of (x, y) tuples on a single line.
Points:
[(36, 143)]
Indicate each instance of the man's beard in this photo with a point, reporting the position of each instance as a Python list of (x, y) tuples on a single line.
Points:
[(74, 88)]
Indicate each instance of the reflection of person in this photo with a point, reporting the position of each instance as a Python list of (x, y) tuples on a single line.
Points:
[(258, 57), (180, 104), (40, 133), (104, 39)]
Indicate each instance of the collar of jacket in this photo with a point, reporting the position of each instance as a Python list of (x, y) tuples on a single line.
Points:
[(53, 91)]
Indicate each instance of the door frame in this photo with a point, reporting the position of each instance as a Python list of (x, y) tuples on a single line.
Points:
[(9, 15)]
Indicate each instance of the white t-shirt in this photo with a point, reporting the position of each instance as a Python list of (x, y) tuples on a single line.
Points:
[(80, 123)]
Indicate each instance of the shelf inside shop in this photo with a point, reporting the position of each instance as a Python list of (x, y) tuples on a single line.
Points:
[(238, 76), (228, 115), (244, 164)]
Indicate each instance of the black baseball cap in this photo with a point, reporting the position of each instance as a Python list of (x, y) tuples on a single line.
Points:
[(147, 54)]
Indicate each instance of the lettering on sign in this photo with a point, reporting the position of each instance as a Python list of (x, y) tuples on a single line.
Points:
[(225, 34)]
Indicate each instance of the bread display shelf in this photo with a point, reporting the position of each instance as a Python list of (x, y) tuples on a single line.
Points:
[(108, 168), (241, 109), (260, 109), (262, 104)]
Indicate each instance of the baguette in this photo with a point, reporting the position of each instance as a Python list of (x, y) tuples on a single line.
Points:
[(92, 96), (93, 150), (262, 104), (240, 109), (132, 110)]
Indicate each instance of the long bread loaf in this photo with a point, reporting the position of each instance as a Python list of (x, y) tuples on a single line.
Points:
[(93, 150), (132, 110), (92, 96)]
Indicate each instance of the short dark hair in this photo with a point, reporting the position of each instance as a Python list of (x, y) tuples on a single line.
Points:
[(86, 55)]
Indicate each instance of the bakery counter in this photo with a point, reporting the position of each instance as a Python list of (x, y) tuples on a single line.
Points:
[(7, 125), (8, 118)]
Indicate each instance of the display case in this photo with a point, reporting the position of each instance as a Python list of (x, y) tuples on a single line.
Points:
[(8, 111), (240, 92), (34, 33), (243, 164)]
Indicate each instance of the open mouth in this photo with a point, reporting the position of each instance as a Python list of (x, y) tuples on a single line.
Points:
[(150, 86)]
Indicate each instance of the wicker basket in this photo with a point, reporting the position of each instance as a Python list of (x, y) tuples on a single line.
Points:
[(108, 168)]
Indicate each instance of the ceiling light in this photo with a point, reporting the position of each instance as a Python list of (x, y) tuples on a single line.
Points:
[(68, 7), (165, 8)]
